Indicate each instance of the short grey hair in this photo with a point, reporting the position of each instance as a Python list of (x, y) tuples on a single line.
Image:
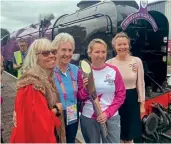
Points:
[(63, 37), (37, 46)]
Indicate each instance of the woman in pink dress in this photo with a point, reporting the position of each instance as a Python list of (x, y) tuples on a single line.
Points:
[(132, 72)]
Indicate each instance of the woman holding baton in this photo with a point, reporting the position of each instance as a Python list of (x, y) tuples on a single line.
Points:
[(111, 94)]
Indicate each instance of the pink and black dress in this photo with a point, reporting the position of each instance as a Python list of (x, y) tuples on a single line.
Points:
[(133, 76)]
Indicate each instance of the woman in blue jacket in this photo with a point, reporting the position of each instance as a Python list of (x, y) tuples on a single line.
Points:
[(69, 82)]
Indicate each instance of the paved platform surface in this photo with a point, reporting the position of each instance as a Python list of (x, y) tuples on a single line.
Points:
[(8, 93)]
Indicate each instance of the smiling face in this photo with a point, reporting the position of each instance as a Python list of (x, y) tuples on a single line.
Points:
[(98, 54), (65, 52), (122, 46), (47, 61)]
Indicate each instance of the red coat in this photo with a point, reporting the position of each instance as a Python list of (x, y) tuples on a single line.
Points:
[(35, 122)]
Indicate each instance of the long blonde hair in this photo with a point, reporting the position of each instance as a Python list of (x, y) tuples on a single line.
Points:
[(36, 76), (37, 46)]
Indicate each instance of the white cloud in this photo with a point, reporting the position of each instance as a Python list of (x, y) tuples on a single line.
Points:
[(18, 14)]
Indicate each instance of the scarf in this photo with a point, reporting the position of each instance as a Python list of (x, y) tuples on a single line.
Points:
[(47, 87)]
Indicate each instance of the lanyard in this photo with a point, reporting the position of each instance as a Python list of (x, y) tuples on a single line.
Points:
[(63, 88)]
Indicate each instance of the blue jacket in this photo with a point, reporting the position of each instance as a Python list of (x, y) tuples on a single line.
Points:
[(67, 81)]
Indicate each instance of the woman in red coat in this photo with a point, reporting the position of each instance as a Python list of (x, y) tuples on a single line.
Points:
[(37, 102)]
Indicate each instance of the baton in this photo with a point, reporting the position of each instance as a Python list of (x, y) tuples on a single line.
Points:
[(87, 72)]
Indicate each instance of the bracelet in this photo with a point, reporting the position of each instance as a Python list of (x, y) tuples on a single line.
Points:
[(57, 109)]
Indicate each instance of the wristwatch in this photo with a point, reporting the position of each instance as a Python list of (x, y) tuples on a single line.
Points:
[(57, 109)]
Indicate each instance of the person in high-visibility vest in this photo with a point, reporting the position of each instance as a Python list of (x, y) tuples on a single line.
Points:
[(19, 57)]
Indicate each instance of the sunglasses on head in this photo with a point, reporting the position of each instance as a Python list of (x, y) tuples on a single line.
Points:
[(47, 53)]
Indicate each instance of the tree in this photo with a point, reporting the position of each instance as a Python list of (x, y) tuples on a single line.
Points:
[(5, 35), (47, 17), (4, 32), (45, 21)]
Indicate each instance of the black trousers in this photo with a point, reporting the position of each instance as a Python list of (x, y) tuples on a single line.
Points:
[(71, 130)]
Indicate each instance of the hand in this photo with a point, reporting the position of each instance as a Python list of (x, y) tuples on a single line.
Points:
[(20, 66), (16, 67), (142, 110), (102, 118), (85, 82), (59, 105), (14, 119)]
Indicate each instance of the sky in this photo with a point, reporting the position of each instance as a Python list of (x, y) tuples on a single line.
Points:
[(16, 14)]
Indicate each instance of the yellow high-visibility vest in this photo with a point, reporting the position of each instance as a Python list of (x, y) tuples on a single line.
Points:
[(19, 60)]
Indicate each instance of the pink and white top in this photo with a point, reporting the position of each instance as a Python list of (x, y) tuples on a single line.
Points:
[(110, 90), (132, 73)]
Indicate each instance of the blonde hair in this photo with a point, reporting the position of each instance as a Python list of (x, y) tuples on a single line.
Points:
[(120, 35), (63, 37), (37, 46), (93, 42)]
